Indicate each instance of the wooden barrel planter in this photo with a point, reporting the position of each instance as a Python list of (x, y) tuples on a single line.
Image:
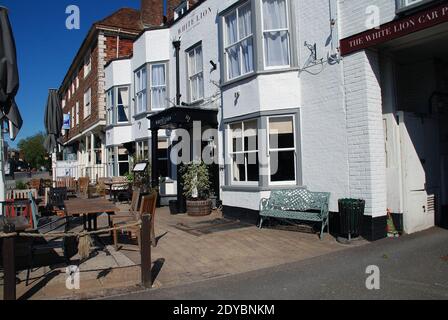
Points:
[(199, 208)]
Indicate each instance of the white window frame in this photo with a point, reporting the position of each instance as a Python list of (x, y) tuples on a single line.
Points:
[(77, 82), (125, 105), (77, 113), (87, 65), (152, 87), (112, 170), (128, 161), (87, 103), (243, 152), (408, 4), (269, 150), (196, 75), (238, 42), (110, 108), (140, 91), (140, 150), (287, 29)]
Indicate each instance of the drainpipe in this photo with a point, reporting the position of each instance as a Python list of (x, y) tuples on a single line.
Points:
[(176, 45)]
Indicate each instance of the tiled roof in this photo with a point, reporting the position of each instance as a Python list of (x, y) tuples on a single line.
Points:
[(125, 18)]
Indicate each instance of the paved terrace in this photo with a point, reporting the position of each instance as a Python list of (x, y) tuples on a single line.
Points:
[(189, 250)]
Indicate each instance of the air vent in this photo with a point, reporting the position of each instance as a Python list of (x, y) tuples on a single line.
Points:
[(431, 204)]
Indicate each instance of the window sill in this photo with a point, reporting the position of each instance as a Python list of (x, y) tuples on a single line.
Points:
[(196, 103), (242, 188), (254, 75), (141, 115), (111, 126)]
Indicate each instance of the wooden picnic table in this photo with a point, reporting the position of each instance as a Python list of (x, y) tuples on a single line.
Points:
[(89, 210)]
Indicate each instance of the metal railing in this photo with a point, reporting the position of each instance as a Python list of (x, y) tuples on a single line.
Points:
[(75, 170)]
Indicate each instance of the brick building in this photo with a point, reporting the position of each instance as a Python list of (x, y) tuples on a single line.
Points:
[(83, 95)]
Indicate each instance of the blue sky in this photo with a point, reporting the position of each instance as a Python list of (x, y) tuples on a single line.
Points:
[(45, 48)]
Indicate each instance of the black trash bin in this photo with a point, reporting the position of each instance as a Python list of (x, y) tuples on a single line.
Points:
[(174, 207), (351, 212)]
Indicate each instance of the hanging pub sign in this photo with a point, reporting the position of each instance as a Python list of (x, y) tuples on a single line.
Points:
[(395, 29), (66, 124)]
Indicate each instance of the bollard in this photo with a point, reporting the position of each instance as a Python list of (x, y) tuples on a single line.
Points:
[(9, 265), (145, 251)]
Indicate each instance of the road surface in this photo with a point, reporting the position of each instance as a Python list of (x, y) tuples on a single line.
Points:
[(411, 267)]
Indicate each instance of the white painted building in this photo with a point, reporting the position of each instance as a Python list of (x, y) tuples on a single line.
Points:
[(357, 111)]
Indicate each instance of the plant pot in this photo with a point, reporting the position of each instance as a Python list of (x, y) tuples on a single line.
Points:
[(199, 208)]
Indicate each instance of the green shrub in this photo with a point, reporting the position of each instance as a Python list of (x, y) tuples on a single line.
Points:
[(196, 179)]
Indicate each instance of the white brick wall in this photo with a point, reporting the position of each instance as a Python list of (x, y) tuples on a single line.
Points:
[(365, 131), (353, 14), (324, 136)]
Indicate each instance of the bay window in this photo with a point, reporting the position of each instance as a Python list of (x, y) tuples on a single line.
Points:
[(117, 105), (195, 74), (275, 33), (140, 90), (282, 149), (158, 86), (123, 104), (239, 41), (244, 152)]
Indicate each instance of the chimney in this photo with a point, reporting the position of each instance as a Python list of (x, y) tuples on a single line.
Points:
[(151, 13)]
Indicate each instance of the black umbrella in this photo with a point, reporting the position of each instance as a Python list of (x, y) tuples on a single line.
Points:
[(9, 76), (54, 119)]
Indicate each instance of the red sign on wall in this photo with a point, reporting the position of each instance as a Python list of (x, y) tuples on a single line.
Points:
[(395, 29)]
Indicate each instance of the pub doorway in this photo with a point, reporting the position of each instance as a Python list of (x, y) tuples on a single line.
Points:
[(414, 81)]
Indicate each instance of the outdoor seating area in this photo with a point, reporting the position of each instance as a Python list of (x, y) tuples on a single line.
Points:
[(52, 224), (185, 248)]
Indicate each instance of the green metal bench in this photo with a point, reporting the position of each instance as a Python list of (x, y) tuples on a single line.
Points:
[(296, 204)]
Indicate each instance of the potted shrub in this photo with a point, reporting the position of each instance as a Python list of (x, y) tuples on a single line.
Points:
[(196, 188)]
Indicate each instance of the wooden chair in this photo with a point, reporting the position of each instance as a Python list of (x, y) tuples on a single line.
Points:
[(34, 184), (133, 212), (148, 206), (69, 183), (101, 188), (45, 225), (83, 184), (56, 201), (20, 194)]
